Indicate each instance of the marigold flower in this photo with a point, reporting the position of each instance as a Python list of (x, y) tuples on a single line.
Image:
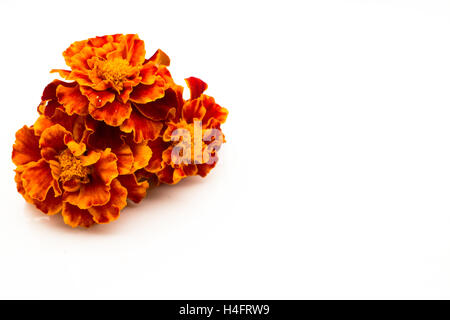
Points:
[(114, 83), (57, 173), (201, 111)]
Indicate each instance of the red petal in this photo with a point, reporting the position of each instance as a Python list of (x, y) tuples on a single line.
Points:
[(196, 86)]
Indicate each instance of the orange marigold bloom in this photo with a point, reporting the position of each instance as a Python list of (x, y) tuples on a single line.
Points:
[(54, 172), (114, 83), (196, 118)]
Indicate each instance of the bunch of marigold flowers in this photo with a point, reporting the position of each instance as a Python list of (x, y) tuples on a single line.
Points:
[(116, 126)]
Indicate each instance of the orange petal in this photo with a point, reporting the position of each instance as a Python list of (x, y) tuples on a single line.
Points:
[(213, 111), (76, 148), (53, 137), (63, 73), (70, 123), (91, 158), (106, 167), (136, 49), (193, 110), (146, 93), (41, 124), (94, 193), (136, 190), (142, 128), (178, 174), (160, 58), (74, 216), (52, 141), (37, 180), (125, 93), (19, 183), (74, 48), (97, 98), (196, 86), (51, 205), (141, 155), (124, 159), (113, 113), (26, 147), (111, 211), (72, 100), (148, 73)]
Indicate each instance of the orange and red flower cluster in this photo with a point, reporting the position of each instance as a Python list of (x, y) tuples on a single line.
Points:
[(106, 133)]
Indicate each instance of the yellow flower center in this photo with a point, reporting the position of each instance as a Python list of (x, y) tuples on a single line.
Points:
[(71, 167), (116, 71)]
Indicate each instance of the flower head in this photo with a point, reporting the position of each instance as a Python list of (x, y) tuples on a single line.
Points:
[(114, 83), (189, 144), (55, 173)]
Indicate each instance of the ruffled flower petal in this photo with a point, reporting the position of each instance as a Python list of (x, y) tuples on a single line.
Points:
[(37, 180), (26, 147), (136, 190), (142, 128), (97, 98), (141, 155), (147, 93), (52, 141), (72, 100), (94, 193), (111, 211), (74, 216), (124, 159), (196, 86), (113, 113), (90, 158), (51, 205), (106, 167), (160, 58)]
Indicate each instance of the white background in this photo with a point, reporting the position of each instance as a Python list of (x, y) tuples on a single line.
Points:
[(334, 182)]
